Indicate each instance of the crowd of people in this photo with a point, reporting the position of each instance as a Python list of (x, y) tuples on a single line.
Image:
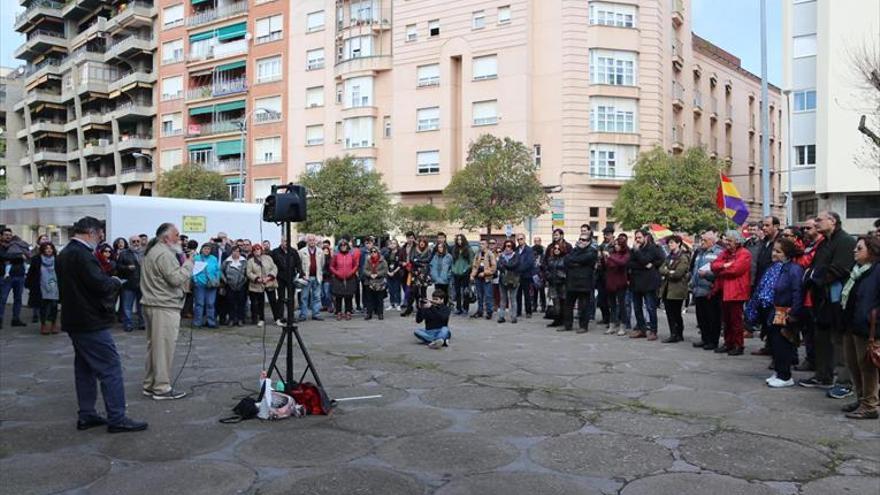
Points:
[(812, 285)]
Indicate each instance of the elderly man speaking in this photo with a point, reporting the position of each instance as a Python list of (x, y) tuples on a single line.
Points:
[(165, 271)]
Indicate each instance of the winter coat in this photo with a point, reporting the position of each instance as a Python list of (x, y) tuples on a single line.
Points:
[(128, 268), (262, 267), (485, 261), (210, 276), (381, 271), (526, 261), (615, 270), (831, 267), (32, 282), (13, 255), (306, 260), (85, 290), (461, 261), (765, 257), (863, 299), (643, 279), (508, 268), (701, 282), (344, 268), (235, 277), (441, 268), (580, 264), (420, 268), (554, 271), (788, 291), (675, 276), (733, 282), (163, 277), (287, 266), (395, 267)]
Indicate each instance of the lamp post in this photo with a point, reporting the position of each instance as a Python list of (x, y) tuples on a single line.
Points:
[(242, 125), (789, 201)]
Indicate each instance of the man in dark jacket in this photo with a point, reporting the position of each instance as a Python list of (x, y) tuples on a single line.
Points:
[(770, 229), (580, 267), (89, 295), (435, 313), (128, 268), (644, 267), (13, 254), (602, 302), (289, 264), (526, 269)]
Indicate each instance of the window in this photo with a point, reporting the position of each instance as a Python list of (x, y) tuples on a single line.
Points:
[(613, 114), (263, 188), (368, 164), (358, 92), (172, 124), (339, 93), (364, 11), (485, 67), (610, 161), (267, 150), (386, 126), (803, 46), (428, 162), (594, 211), (536, 154), (805, 101), (359, 46), (172, 52), (269, 69), (338, 132), (358, 132), (612, 67), (434, 28), (428, 119), (314, 135), (478, 21), (269, 29), (267, 109), (504, 14), (603, 163), (862, 206), (313, 167), (315, 59), (612, 14), (172, 16), (412, 32), (485, 112), (429, 75), (807, 208), (169, 159), (315, 97), (315, 21), (236, 190), (172, 88), (805, 155)]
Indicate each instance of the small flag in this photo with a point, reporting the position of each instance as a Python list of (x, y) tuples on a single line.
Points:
[(659, 231), (730, 202)]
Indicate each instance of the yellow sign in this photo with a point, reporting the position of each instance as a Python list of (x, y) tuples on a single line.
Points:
[(558, 223), (196, 225)]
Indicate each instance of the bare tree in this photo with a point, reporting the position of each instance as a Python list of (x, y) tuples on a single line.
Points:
[(866, 62)]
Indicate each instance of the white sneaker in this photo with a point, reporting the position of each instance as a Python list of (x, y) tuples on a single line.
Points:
[(777, 383), (773, 377), (621, 333), (279, 323), (436, 344)]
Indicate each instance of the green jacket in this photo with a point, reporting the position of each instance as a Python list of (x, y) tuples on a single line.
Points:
[(675, 276)]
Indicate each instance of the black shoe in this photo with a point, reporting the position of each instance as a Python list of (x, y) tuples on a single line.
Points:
[(736, 351), (93, 421), (850, 407), (699, 343), (407, 312), (381, 317), (554, 324), (368, 317), (477, 315), (672, 339), (709, 347), (582, 330), (127, 425), (722, 350), (18, 323)]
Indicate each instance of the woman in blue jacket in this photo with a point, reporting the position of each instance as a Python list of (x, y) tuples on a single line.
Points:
[(441, 270), (205, 284)]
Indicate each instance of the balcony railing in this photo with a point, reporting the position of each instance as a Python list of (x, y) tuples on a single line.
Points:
[(207, 52), (211, 15), (262, 117), (729, 114), (49, 62), (698, 99), (35, 5), (213, 128), (226, 165), (45, 32)]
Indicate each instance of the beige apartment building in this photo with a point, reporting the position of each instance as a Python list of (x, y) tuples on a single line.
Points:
[(406, 85)]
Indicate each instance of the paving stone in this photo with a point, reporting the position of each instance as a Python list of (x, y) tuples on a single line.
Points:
[(700, 380), (471, 397), (862, 449), (690, 401), (516, 483), (794, 400), (391, 421), (360, 481), (285, 447), (345, 377), (173, 478), (168, 442), (44, 436), (419, 378), (652, 367), (651, 425), (524, 379), (843, 485), (601, 455), (50, 473), (619, 382), (448, 453), (561, 365), (735, 454), (389, 395), (793, 426), (380, 365), (574, 400), (859, 466), (477, 367), (694, 484), (525, 422)]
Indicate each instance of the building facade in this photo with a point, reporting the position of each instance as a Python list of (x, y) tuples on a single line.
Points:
[(832, 167), (405, 86)]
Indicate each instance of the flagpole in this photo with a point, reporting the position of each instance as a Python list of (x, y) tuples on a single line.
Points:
[(723, 213), (765, 117)]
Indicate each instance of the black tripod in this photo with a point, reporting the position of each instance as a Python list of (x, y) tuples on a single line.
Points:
[(289, 331)]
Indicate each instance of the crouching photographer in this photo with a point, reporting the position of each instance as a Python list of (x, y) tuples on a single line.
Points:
[(435, 313)]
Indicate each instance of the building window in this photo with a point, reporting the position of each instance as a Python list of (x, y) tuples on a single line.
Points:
[(612, 161), (803, 46), (612, 67), (368, 164), (612, 14), (536, 154), (862, 206), (434, 28), (603, 164), (263, 188), (613, 115), (805, 101), (172, 88), (412, 32), (169, 159), (478, 21), (807, 208), (315, 59), (364, 11), (314, 135), (485, 67), (504, 14), (313, 167), (315, 97), (267, 109), (172, 16), (358, 92), (338, 132), (269, 69), (485, 112), (429, 75), (358, 132), (386, 126), (172, 52), (357, 47), (428, 119), (339, 93), (315, 21), (269, 29), (594, 211), (805, 155), (428, 162), (267, 150), (172, 124), (235, 189)]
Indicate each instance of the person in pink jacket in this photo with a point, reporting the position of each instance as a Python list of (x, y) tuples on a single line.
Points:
[(732, 271), (344, 267)]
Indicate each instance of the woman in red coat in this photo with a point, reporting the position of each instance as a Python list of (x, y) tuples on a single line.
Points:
[(344, 267), (732, 278)]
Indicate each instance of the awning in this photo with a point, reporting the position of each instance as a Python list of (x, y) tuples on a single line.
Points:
[(232, 31), (232, 147), (201, 36), (241, 64), (232, 180), (196, 2), (229, 106), (206, 110), (200, 147)]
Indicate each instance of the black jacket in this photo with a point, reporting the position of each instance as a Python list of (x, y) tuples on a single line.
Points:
[(765, 259), (830, 269), (85, 290), (128, 268), (434, 317), (580, 266), (643, 279), (285, 269), (14, 254), (863, 299)]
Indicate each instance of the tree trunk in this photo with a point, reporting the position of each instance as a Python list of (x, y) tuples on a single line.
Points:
[(488, 231)]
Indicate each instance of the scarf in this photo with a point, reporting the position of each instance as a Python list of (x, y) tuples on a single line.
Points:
[(854, 276), (48, 278), (762, 298)]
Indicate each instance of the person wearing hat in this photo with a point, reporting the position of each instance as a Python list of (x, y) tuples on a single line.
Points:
[(732, 271)]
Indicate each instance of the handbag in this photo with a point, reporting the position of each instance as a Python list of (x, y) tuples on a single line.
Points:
[(872, 351)]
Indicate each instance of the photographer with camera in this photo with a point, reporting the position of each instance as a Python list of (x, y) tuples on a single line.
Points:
[(435, 313)]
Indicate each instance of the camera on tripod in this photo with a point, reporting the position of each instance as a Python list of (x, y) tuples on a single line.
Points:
[(285, 204)]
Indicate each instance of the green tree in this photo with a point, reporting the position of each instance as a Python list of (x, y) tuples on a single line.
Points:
[(677, 191), (192, 181), (417, 218), (499, 185), (345, 198)]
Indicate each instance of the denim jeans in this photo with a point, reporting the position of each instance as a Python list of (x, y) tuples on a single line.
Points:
[(461, 285), (509, 302), (237, 300), (127, 299), (311, 297), (485, 296), (524, 296), (16, 286), (649, 300), (327, 295), (394, 291), (428, 336), (95, 358), (204, 299)]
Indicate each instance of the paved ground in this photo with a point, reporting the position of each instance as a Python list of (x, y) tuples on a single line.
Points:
[(508, 409)]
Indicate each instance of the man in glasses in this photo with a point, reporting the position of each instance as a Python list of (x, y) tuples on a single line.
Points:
[(128, 268), (812, 239), (580, 265), (526, 269)]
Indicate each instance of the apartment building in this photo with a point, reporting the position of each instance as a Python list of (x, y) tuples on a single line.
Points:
[(831, 167), (87, 110), (223, 85), (406, 85)]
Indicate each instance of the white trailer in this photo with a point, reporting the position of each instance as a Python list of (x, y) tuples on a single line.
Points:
[(132, 215)]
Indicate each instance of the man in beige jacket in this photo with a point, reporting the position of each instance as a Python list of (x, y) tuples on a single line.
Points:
[(164, 275)]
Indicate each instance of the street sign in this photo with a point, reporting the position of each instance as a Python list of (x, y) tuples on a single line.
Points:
[(508, 230)]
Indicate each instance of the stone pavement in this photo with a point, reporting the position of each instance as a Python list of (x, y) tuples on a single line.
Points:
[(507, 409)]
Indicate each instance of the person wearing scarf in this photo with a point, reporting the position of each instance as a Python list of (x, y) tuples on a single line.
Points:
[(508, 263), (104, 253), (42, 282), (374, 276)]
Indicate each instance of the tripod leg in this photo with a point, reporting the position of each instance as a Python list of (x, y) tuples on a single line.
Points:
[(273, 366), (309, 365)]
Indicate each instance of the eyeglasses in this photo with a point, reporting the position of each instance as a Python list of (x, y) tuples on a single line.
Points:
[(583, 240)]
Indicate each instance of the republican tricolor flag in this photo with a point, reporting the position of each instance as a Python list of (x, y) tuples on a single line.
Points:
[(730, 202)]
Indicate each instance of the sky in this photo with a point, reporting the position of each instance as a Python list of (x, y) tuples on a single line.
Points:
[(732, 25)]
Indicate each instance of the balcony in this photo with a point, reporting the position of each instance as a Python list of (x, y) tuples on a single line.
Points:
[(373, 63), (698, 102), (677, 96), (221, 50), (135, 142), (227, 165), (222, 13), (378, 19), (677, 12), (133, 14), (42, 125), (677, 138), (677, 54), (713, 108), (728, 115), (217, 89), (126, 79), (48, 66), (134, 174), (211, 128), (129, 46), (56, 154), (266, 117), (98, 27), (134, 108), (97, 147), (38, 8), (95, 178), (40, 41)]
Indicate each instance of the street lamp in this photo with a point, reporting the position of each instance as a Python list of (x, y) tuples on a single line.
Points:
[(138, 154), (789, 202), (242, 125)]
